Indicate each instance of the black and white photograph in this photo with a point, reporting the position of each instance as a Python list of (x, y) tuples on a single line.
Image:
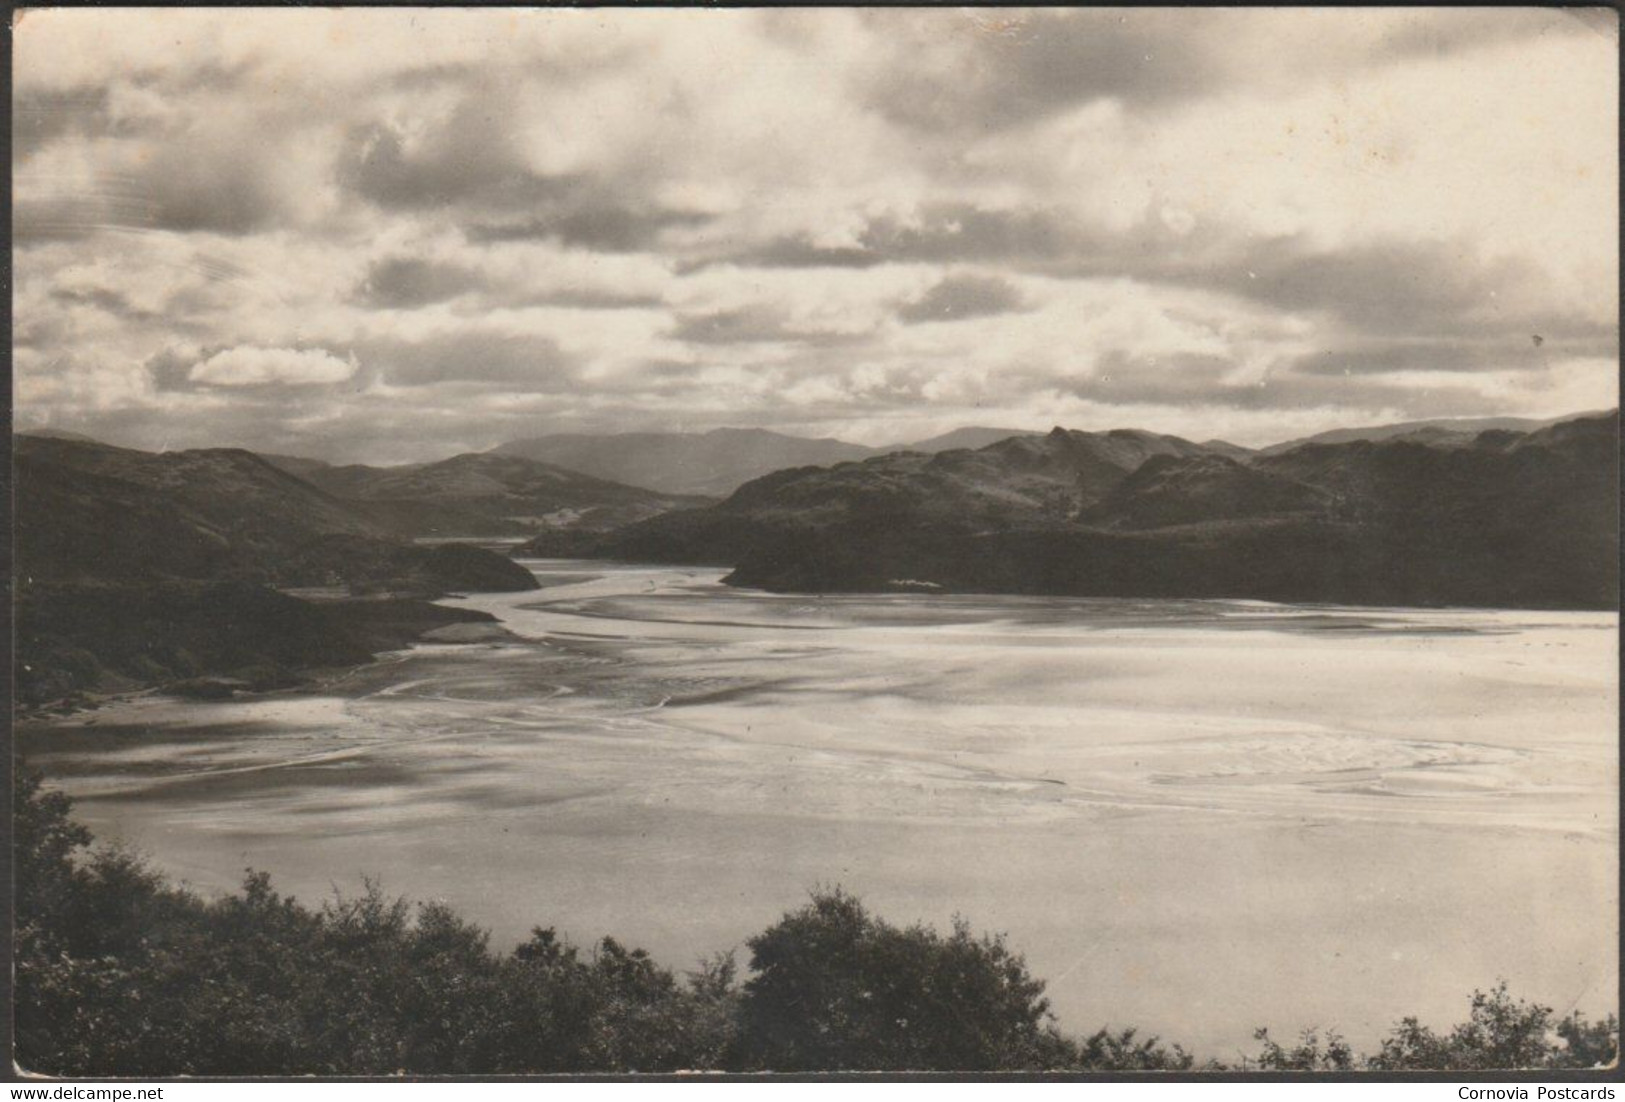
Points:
[(1060, 541)]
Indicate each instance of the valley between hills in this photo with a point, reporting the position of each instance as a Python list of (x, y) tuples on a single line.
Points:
[(214, 571)]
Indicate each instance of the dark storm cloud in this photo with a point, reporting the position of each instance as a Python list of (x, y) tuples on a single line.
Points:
[(222, 187), (358, 140), (170, 370), (589, 299), (1440, 32), (596, 226), (277, 379), (1418, 288), (1008, 69), (751, 325), (951, 232), (500, 361), (963, 296), (1032, 237), (1511, 351), (468, 159), (1388, 287), (468, 163), (42, 116), (41, 331), (790, 252), (220, 184), (104, 299), (1381, 287), (1126, 378), (74, 214), (404, 282)]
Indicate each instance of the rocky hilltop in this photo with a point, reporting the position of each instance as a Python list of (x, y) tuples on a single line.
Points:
[(1510, 518)]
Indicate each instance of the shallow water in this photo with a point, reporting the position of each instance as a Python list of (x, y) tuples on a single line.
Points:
[(1193, 816)]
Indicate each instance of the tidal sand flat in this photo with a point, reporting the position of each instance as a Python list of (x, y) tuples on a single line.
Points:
[(1197, 817)]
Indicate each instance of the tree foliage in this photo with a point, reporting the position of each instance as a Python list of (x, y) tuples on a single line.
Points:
[(837, 989), (120, 974)]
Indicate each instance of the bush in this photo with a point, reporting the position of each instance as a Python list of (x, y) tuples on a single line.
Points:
[(1309, 1054), (1121, 1051), (119, 974), (837, 989), (1501, 1033)]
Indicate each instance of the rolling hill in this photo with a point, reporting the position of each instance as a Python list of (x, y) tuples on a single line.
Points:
[(970, 436), (1020, 482), (487, 494), (1440, 432), (1516, 519), (134, 568), (710, 463)]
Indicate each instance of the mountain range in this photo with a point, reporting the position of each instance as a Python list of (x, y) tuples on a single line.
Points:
[(137, 568), (718, 462), (711, 463), (483, 494), (134, 568), (1511, 518), (1440, 432)]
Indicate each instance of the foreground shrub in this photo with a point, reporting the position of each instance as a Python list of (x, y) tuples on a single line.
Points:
[(119, 974), (836, 988), (1501, 1032)]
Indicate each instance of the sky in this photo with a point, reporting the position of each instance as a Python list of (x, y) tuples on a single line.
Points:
[(394, 235)]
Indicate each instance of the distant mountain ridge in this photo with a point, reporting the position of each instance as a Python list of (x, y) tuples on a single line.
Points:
[(1443, 431), (716, 463), (1525, 519), (970, 436), (712, 463), (96, 513), (719, 461), (136, 568), (1018, 482), (485, 494)]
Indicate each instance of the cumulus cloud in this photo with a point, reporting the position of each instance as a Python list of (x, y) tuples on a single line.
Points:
[(963, 296), (351, 229), (404, 281), (754, 324), (998, 68), (473, 358), (599, 226), (1510, 351), (467, 157), (250, 366)]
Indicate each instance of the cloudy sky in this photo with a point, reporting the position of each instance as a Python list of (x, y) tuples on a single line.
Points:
[(393, 235)]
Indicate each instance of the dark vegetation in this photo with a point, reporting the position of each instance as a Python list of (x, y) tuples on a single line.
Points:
[(136, 569), (120, 974), (1500, 518), (718, 462), (201, 638), (485, 495), (90, 513), (710, 463)]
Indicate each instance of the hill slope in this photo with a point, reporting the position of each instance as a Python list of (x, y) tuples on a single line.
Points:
[(1440, 432), (1021, 482), (711, 463), (135, 568), (970, 436), (490, 494), (1511, 519)]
